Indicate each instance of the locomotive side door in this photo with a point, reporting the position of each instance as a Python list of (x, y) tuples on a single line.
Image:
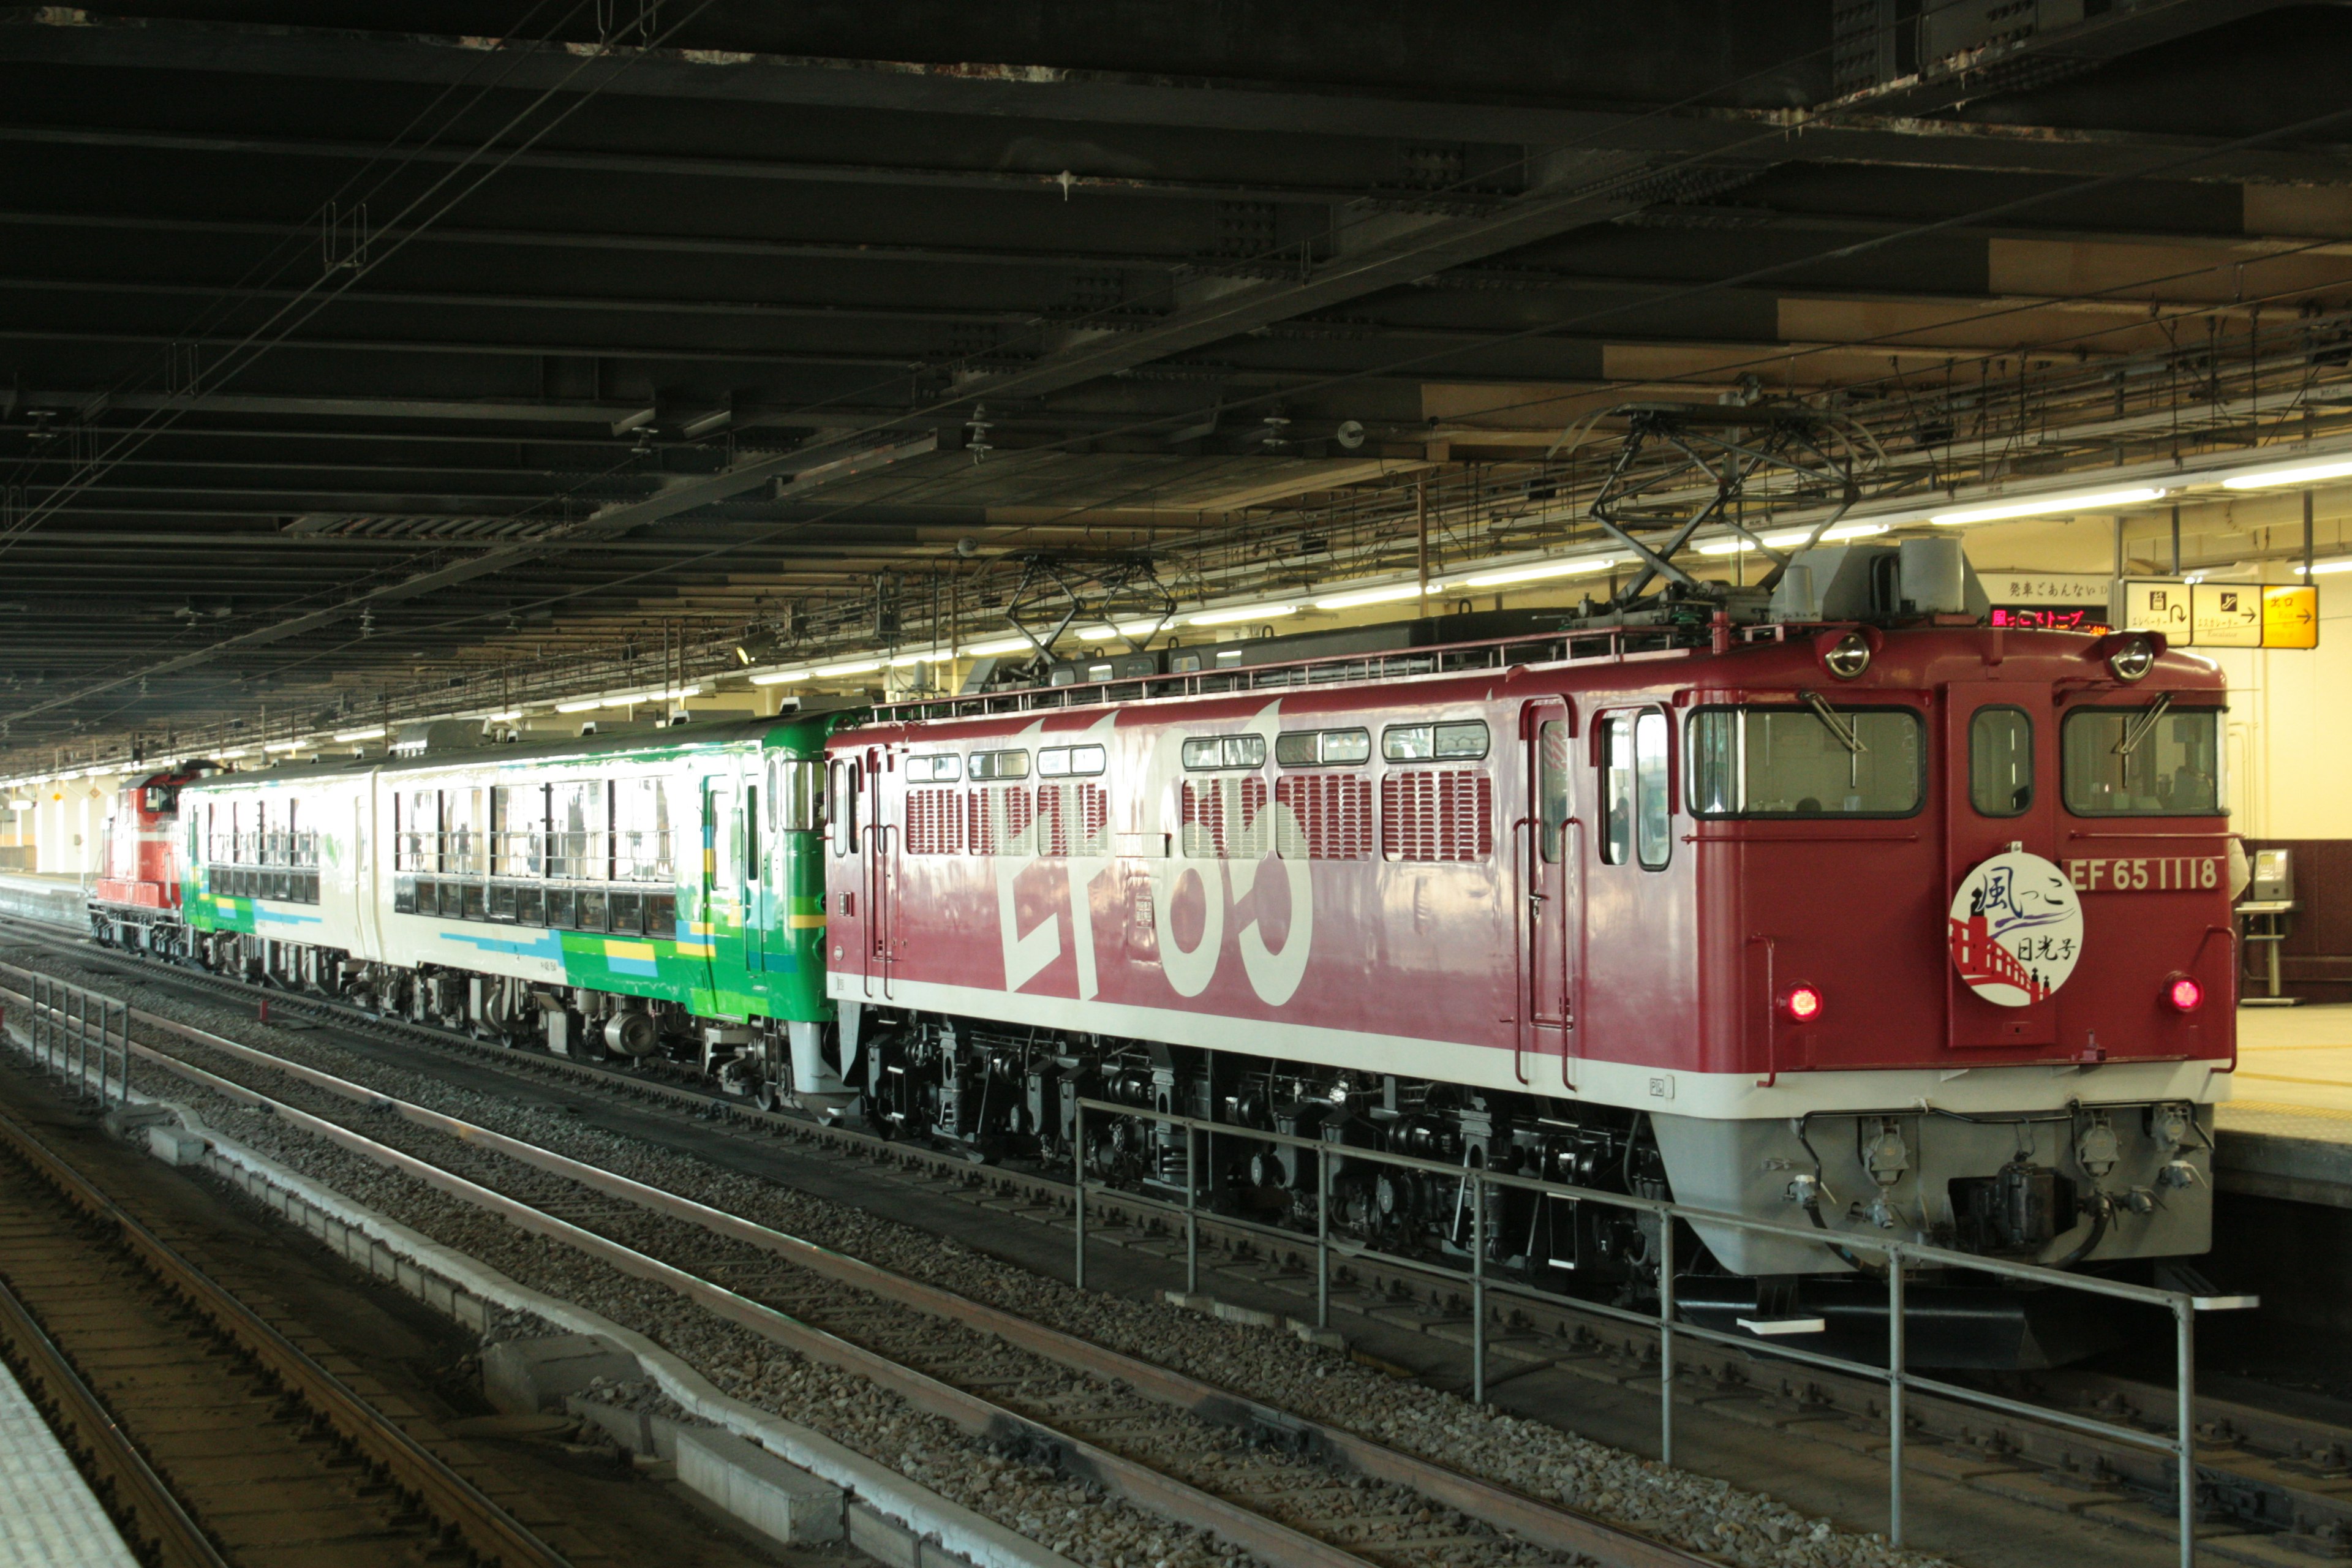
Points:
[(1998, 775), (881, 874), (1551, 873)]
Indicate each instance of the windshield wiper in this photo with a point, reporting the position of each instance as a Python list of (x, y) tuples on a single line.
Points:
[(1833, 721), (2139, 727)]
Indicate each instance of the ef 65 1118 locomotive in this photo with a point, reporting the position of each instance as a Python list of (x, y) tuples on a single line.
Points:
[(1907, 926)]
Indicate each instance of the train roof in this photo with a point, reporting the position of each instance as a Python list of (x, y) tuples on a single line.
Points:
[(1620, 657), (677, 739)]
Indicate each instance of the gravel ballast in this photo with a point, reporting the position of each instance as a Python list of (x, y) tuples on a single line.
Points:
[(1540, 1460)]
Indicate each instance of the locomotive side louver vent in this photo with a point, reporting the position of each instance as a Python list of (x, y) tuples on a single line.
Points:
[(1227, 819), (1204, 821), (934, 822), (1094, 819), (1430, 816), (1331, 816), (1000, 821)]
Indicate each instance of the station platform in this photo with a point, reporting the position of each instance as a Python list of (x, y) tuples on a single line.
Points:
[(36, 895), (48, 1516), (2288, 1132)]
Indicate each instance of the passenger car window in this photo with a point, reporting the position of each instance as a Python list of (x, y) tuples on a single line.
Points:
[(2142, 762), (2001, 762)]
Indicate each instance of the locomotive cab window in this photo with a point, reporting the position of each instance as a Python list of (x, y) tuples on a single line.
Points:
[(2151, 760), (1203, 752), (1807, 762), (1070, 762), (1465, 742), (1322, 748), (2001, 762), (842, 799), (1636, 802), (1552, 756)]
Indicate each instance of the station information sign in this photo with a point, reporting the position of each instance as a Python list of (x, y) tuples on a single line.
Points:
[(2218, 614), (2048, 601)]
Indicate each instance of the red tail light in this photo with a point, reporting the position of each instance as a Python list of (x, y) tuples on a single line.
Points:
[(1801, 1004), (2183, 995)]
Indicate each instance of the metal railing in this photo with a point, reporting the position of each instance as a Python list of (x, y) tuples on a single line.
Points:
[(69, 1026), (1900, 1257)]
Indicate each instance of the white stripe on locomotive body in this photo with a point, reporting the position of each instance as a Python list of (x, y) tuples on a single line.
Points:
[(1708, 1096)]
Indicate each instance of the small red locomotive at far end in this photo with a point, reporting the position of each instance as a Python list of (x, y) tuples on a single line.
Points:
[(138, 881)]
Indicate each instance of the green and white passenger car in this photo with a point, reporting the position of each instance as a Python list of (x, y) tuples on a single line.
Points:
[(641, 894)]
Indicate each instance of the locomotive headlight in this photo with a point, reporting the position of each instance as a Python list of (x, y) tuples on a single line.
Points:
[(1848, 657), (2133, 660), (1801, 1004), (2182, 994)]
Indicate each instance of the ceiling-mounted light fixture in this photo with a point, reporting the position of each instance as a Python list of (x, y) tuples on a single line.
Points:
[(2292, 474), (1362, 596), (1538, 571), (1246, 613), (2043, 506)]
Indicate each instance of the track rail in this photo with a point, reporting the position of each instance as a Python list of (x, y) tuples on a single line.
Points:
[(151, 1519), (311, 1399), (936, 1389), (2240, 1473)]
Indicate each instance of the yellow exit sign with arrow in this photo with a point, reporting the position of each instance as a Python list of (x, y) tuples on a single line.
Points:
[(2291, 617), (2218, 614)]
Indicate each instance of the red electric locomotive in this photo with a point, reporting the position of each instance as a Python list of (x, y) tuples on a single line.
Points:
[(1902, 925)]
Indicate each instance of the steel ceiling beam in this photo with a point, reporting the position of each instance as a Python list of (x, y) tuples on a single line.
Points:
[(807, 469)]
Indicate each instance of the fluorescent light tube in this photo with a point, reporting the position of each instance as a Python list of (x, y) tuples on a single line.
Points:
[(1363, 596), (2300, 474), (2088, 500), (1538, 571)]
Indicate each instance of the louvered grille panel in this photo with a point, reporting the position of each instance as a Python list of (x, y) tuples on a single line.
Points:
[(1204, 819), (1251, 833), (1331, 816), (934, 822), (1019, 810), (1053, 819), (1094, 819), (1432, 815)]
